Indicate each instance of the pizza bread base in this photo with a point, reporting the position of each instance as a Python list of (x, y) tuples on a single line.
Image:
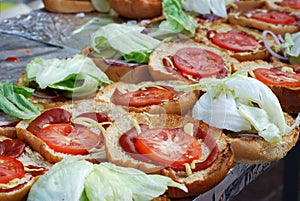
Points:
[(198, 182), (256, 150), (137, 9), (237, 18), (157, 69), (77, 108), (119, 72), (201, 37), (179, 106), (68, 6)]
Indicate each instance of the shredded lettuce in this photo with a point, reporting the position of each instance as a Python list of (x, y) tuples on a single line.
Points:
[(217, 7), (79, 180), (290, 47), (77, 76), (240, 103), (126, 40), (13, 101)]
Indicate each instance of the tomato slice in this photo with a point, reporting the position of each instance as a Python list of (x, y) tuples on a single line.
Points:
[(168, 145), (143, 97), (10, 168), (69, 139), (51, 116), (198, 62), (295, 4), (12, 147), (277, 77), (274, 17), (237, 41)]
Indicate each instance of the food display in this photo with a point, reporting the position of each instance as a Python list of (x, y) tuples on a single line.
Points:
[(160, 104)]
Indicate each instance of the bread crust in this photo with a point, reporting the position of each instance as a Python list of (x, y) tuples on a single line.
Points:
[(205, 27), (137, 9), (68, 6), (246, 5), (157, 69), (196, 183), (256, 150), (240, 19), (271, 4), (130, 73), (77, 108), (179, 106)]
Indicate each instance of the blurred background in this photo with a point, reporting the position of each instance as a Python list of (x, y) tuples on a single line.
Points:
[(11, 8)]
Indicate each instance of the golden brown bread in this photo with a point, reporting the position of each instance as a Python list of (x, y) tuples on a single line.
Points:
[(199, 181), (137, 9), (68, 6), (28, 157), (244, 5), (77, 108), (256, 150), (205, 28), (277, 5), (183, 102), (243, 19)]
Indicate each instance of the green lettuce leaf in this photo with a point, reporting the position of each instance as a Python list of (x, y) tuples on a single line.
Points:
[(176, 19), (290, 47), (240, 103), (119, 183), (78, 76), (64, 181), (13, 101), (127, 40)]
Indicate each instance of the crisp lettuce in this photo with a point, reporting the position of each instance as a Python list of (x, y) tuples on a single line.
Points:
[(64, 181), (126, 40), (240, 103), (79, 180), (120, 183), (176, 19), (290, 47), (77, 76), (13, 101)]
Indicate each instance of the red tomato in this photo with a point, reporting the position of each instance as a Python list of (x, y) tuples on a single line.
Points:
[(274, 17), (295, 4), (276, 77), (69, 139), (55, 115), (12, 147), (198, 62), (10, 168), (169, 146), (142, 97), (237, 41)]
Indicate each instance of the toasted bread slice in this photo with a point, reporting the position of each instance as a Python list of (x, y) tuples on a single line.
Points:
[(280, 5), (206, 31), (198, 181), (180, 104), (244, 19), (94, 155), (32, 161)]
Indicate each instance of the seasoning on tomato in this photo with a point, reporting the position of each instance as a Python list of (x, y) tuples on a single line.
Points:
[(295, 4), (10, 168), (235, 40), (278, 77), (145, 96), (69, 139), (168, 145), (274, 17), (199, 62)]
